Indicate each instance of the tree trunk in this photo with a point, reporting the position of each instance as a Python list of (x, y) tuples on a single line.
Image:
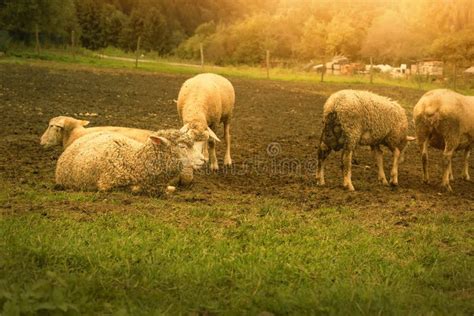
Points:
[(37, 46)]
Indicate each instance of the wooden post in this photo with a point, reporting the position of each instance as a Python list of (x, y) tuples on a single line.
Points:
[(417, 75), (455, 70), (137, 52), (37, 47), (268, 64), (201, 50), (371, 70), (73, 44), (323, 70)]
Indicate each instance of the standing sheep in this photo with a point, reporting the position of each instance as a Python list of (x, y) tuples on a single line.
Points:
[(204, 102), (444, 120), (107, 160), (64, 130), (352, 118)]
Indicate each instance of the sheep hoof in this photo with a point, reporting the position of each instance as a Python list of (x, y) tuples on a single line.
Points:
[(383, 181), (448, 188), (466, 177), (136, 189), (393, 183), (214, 167), (228, 163), (170, 189), (349, 187)]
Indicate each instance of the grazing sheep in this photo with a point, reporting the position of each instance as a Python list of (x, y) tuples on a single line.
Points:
[(106, 160), (64, 130), (352, 118), (204, 102), (444, 120)]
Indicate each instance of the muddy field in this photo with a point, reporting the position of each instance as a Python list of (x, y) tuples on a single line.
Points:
[(274, 133)]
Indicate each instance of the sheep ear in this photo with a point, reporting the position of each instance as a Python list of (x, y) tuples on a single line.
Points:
[(158, 140), (212, 134), (58, 123), (411, 138), (185, 128), (85, 123)]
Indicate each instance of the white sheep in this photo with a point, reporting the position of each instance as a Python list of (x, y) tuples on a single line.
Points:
[(64, 130), (204, 102), (107, 160), (352, 118), (444, 120)]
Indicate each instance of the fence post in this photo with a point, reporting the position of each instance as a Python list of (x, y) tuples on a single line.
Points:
[(268, 64), (323, 70), (137, 51), (73, 44), (37, 47), (455, 70), (371, 71), (201, 50)]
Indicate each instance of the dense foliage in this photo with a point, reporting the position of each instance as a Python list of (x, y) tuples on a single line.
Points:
[(240, 31)]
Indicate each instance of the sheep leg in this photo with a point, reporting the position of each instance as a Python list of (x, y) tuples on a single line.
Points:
[(394, 172), (227, 159), (378, 155), (465, 171), (212, 154), (205, 151), (424, 158), (322, 153), (104, 184), (347, 169), (447, 163)]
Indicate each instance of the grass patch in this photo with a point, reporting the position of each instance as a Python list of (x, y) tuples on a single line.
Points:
[(253, 255), (160, 65)]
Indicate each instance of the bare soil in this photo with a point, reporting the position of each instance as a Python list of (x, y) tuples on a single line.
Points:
[(275, 132)]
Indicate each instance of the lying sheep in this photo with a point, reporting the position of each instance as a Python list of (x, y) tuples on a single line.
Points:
[(64, 130), (444, 120), (204, 102), (107, 160), (352, 118)]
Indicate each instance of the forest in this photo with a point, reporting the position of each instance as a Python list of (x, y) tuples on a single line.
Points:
[(240, 31)]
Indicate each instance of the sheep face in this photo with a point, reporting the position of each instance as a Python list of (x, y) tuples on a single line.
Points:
[(53, 136), (182, 147), (199, 133)]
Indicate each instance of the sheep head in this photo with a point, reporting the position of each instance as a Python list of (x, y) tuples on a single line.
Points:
[(57, 127), (181, 145), (200, 133)]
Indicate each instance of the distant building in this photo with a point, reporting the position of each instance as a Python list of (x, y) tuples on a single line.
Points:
[(469, 71), (428, 67)]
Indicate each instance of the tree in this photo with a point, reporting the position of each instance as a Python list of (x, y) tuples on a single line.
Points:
[(312, 44), (455, 48), (53, 18), (89, 15)]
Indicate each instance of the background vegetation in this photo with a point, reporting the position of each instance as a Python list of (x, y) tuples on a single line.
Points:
[(239, 31)]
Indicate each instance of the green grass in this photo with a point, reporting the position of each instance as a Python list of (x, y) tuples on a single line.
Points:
[(88, 58), (243, 255)]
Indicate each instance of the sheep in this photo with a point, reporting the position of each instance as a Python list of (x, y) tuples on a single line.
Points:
[(64, 130), (107, 160), (204, 102), (444, 120), (351, 118)]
